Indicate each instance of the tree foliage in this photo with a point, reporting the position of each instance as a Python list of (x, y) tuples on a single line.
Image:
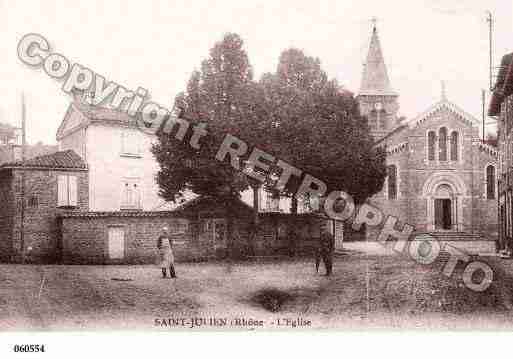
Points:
[(316, 126), (217, 95)]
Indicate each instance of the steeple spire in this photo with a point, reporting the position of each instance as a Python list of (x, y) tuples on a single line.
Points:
[(375, 77)]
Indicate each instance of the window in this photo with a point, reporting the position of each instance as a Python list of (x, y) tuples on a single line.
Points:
[(490, 182), (382, 117), (442, 144), (131, 194), (431, 145), (392, 182), (454, 146), (33, 201), (130, 144), (116, 245), (67, 191), (373, 119)]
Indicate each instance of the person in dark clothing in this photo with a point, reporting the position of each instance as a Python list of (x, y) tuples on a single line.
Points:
[(324, 251), (165, 247)]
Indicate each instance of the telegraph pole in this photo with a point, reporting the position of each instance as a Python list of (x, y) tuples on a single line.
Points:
[(483, 99), (489, 20), (23, 184)]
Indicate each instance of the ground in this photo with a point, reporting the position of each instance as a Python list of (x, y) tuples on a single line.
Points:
[(367, 290)]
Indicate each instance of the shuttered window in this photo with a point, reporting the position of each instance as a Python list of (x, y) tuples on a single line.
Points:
[(131, 194), (67, 191)]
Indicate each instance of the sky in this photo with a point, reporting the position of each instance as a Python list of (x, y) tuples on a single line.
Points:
[(157, 44)]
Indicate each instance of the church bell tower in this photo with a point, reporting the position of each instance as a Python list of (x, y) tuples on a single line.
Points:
[(378, 101)]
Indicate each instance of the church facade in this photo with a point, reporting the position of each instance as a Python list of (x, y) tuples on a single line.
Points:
[(441, 176)]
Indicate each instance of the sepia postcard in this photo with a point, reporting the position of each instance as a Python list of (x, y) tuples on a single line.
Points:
[(267, 166)]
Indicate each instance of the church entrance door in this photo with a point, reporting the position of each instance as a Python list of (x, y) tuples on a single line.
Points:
[(443, 215)]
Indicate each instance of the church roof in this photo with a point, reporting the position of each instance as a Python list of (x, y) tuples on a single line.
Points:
[(375, 77), (443, 104)]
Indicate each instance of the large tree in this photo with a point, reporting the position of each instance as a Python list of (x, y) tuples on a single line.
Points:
[(220, 96), (316, 126)]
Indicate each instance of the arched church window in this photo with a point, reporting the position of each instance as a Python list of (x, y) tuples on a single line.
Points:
[(454, 146), (490, 182), (382, 118), (442, 144), (373, 119), (392, 181), (431, 145)]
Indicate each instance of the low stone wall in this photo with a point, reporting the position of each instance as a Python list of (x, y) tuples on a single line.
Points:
[(85, 239), (85, 236)]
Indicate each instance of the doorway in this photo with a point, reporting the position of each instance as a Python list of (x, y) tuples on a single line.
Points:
[(443, 214)]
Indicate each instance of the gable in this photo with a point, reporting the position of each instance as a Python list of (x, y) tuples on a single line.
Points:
[(73, 120), (442, 108)]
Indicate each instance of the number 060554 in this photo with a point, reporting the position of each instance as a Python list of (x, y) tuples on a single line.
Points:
[(29, 348)]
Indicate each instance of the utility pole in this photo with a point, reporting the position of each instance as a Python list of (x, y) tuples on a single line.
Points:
[(489, 20), (483, 99), (23, 179)]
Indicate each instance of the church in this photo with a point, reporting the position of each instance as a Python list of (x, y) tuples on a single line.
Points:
[(441, 177)]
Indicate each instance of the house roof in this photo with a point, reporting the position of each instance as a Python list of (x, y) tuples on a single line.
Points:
[(375, 79), (9, 153), (92, 114), (80, 214), (57, 160), (503, 86), (104, 113)]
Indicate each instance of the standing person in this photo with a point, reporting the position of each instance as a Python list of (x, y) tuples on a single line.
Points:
[(165, 247), (325, 250)]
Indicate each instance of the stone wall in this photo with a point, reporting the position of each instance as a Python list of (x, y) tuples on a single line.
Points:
[(85, 236), (6, 215), (41, 231)]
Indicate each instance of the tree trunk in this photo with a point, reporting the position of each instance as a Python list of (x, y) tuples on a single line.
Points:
[(256, 203), (253, 234)]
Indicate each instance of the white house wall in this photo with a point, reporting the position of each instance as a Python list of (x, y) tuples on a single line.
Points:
[(108, 168)]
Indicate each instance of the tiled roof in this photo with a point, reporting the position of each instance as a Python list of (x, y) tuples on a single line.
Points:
[(9, 153), (63, 159), (119, 214)]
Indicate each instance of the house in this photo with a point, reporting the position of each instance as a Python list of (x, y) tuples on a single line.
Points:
[(441, 176), (121, 166), (501, 107), (33, 195)]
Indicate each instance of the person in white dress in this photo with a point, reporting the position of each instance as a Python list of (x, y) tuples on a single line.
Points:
[(166, 258)]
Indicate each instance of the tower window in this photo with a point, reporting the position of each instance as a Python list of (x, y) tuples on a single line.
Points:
[(490, 182), (454, 146), (442, 144), (431, 145)]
